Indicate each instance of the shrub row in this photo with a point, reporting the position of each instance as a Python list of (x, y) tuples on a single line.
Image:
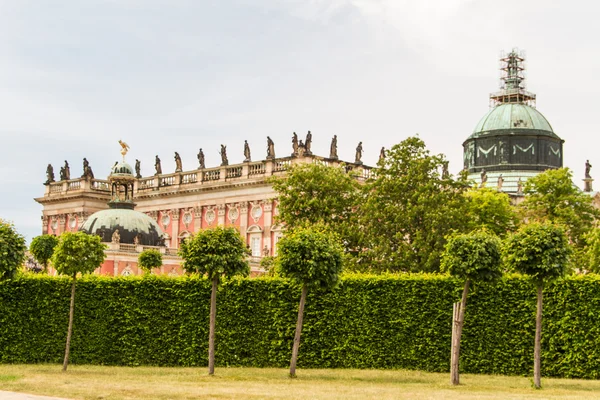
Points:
[(366, 322)]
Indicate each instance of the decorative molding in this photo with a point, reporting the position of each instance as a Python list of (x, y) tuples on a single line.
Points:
[(187, 218), (210, 216), (221, 209), (243, 207), (175, 214), (197, 212), (234, 212)]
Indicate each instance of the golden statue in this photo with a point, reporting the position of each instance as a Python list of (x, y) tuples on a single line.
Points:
[(124, 148)]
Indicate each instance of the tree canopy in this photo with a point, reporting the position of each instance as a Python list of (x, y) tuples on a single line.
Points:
[(78, 252), (491, 210), (12, 250), (42, 248), (311, 256), (540, 250), (552, 197), (410, 207), (150, 259), (474, 256), (215, 252)]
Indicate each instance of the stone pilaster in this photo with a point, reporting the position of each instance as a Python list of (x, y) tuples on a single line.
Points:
[(268, 222), (62, 222), (197, 218), (243, 218), (221, 214), (175, 228), (45, 221)]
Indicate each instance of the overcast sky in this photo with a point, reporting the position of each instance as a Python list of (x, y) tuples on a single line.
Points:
[(164, 76)]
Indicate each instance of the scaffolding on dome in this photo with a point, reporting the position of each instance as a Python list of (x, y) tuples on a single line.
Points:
[(512, 81)]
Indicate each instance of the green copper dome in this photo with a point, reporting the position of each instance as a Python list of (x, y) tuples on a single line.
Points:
[(513, 116), (121, 168), (130, 224)]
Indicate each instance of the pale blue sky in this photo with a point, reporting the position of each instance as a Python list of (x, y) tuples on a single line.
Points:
[(165, 76)]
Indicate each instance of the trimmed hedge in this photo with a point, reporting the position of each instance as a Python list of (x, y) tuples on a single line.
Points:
[(384, 321)]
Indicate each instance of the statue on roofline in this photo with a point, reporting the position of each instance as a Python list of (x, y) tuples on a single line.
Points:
[(138, 175), (157, 166), (382, 154), (116, 238), (124, 148), (49, 174), (65, 172), (224, 160), (483, 178), (519, 186), (294, 144), (178, 167), (308, 144), (270, 149), (87, 170), (200, 159), (247, 157), (588, 167), (333, 148), (445, 173), (358, 154), (500, 182)]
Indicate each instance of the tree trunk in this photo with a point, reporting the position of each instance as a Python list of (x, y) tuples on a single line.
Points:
[(298, 332), (70, 329), (537, 350), (211, 331), (454, 368)]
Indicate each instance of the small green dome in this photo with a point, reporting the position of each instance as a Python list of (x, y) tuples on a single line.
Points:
[(130, 224), (121, 168), (513, 116)]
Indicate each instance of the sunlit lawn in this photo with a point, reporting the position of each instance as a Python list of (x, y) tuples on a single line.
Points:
[(97, 382)]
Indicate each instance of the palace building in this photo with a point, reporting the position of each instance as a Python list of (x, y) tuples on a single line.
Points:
[(171, 206)]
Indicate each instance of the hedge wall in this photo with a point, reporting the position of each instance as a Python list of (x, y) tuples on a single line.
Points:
[(366, 322)]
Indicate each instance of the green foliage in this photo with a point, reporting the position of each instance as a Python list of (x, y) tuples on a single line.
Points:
[(311, 256), (474, 256), (215, 252), (552, 197), (491, 210), (409, 210), (78, 252), (591, 254), (150, 259), (12, 250), (42, 248), (539, 250), (385, 321), (311, 194)]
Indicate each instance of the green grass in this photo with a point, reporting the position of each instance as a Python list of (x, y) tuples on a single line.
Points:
[(112, 383)]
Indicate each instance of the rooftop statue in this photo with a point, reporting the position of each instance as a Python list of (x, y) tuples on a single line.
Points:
[(358, 154), (247, 157), (124, 148), (201, 159), (483, 178), (333, 148), (294, 144), (49, 174), (178, 167), (519, 186), (116, 238), (308, 143), (157, 166), (224, 160), (382, 154), (588, 167), (445, 173), (270, 149), (138, 175), (65, 172), (87, 170), (500, 182)]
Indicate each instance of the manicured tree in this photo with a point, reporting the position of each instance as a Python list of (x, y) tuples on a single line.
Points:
[(312, 257), (42, 248), (215, 252), (541, 251), (12, 250), (472, 257), (491, 210), (76, 252), (150, 259)]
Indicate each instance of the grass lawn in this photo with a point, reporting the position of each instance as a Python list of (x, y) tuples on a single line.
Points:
[(97, 382)]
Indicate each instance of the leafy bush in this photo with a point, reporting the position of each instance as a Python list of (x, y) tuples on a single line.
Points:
[(150, 259), (12, 250)]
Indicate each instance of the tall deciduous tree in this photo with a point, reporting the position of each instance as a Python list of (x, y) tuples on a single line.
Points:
[(313, 193), (150, 259), (473, 257), (76, 252), (411, 206), (311, 257), (541, 251), (215, 252), (490, 210), (552, 197), (12, 250), (42, 248)]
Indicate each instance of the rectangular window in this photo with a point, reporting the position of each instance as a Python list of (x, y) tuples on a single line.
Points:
[(255, 245)]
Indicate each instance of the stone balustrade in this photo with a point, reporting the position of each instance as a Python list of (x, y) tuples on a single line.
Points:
[(257, 170)]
